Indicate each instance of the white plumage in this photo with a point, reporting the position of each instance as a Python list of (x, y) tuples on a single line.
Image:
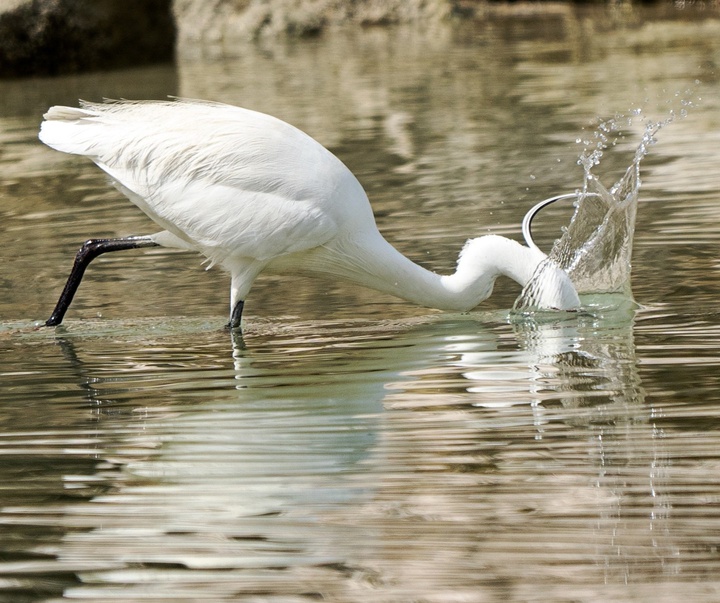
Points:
[(253, 193)]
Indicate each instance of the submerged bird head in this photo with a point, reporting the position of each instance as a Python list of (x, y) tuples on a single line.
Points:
[(550, 288), (483, 259)]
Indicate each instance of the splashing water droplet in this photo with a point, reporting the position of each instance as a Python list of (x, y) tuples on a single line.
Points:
[(595, 249)]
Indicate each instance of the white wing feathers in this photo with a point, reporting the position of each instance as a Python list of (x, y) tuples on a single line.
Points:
[(231, 182)]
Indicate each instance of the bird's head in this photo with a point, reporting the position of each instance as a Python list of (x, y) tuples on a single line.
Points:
[(549, 288), (483, 259)]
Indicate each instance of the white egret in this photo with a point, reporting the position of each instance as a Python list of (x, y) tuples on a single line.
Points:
[(255, 194)]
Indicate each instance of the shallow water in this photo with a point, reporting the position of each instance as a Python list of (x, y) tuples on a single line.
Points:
[(351, 447)]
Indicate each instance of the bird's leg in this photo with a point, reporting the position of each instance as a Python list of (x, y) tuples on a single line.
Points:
[(236, 316), (86, 254)]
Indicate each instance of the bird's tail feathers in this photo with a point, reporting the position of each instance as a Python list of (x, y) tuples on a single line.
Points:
[(62, 129), (60, 113)]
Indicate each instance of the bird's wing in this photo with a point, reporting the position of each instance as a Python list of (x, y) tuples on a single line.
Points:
[(233, 182)]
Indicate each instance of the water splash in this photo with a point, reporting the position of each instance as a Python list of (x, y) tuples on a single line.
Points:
[(595, 249)]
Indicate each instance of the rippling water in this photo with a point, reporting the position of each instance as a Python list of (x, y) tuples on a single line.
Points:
[(351, 447)]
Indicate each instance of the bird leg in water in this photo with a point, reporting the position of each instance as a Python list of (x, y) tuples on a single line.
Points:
[(87, 253), (236, 316)]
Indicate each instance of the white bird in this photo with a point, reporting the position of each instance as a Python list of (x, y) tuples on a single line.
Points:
[(255, 194)]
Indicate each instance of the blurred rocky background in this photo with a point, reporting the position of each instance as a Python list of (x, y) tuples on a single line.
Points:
[(213, 20), (49, 37)]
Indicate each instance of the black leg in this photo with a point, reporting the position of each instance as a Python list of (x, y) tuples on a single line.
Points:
[(236, 316), (87, 253)]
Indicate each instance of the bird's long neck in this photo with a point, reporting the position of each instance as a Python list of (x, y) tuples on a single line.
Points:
[(374, 263)]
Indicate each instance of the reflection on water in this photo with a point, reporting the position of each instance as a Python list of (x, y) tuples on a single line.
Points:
[(381, 461), (352, 447)]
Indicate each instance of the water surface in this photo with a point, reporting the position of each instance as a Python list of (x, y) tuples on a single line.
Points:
[(351, 447)]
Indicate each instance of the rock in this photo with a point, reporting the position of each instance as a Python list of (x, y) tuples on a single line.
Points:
[(49, 37), (226, 22)]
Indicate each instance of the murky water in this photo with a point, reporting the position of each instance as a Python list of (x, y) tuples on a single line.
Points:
[(352, 447)]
